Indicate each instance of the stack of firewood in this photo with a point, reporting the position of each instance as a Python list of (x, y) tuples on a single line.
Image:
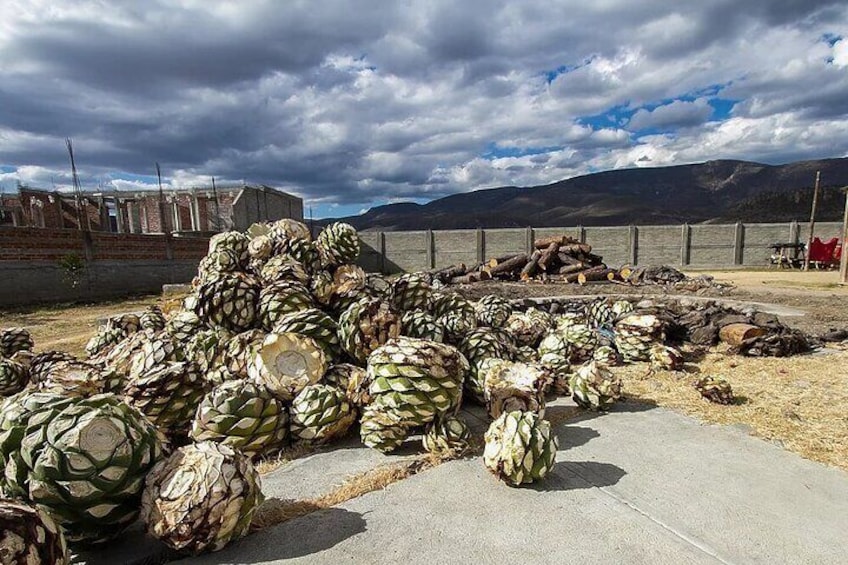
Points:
[(559, 258)]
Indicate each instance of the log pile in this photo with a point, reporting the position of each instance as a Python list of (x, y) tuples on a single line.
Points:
[(557, 258)]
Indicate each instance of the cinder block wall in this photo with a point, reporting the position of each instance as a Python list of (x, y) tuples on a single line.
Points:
[(697, 246)]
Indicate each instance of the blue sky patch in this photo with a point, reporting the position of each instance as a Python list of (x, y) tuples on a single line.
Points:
[(831, 38), (495, 151)]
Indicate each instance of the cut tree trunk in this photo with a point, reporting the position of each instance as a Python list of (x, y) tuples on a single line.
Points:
[(532, 266), (476, 276), (576, 248), (495, 261), (545, 242), (735, 334), (449, 272), (594, 274), (510, 265), (569, 269), (567, 259), (572, 277), (548, 256)]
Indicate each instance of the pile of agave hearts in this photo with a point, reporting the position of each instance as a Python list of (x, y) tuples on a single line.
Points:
[(282, 340)]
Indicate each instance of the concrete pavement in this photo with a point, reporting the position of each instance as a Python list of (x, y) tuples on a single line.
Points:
[(638, 485)]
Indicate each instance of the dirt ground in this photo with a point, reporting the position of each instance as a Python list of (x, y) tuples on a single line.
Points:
[(797, 403), (67, 327)]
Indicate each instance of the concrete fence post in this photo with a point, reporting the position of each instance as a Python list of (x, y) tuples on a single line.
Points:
[(530, 240), (685, 240), (794, 232), (633, 243), (87, 246), (738, 243), (169, 247), (382, 239), (481, 245)]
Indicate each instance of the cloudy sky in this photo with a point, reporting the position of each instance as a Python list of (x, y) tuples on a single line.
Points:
[(351, 104)]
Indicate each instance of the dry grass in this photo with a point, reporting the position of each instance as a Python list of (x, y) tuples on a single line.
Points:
[(69, 326), (798, 402), (277, 460), (275, 511)]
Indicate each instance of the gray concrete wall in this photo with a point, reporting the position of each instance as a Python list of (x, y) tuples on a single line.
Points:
[(255, 205), (700, 246), (39, 281), (450, 247), (659, 245), (408, 251), (612, 243)]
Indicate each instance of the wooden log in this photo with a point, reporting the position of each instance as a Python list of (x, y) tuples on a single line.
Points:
[(548, 256), (475, 276), (532, 266), (594, 259), (594, 274), (575, 248), (448, 273), (545, 242), (510, 265), (567, 259), (568, 269), (735, 334), (572, 277), (495, 261)]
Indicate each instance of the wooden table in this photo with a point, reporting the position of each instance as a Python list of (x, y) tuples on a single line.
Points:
[(787, 254)]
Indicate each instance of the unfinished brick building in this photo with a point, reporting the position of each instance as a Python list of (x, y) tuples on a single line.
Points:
[(197, 209)]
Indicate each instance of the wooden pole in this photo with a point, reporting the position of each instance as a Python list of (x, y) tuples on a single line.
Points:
[(162, 219), (843, 262), (812, 221)]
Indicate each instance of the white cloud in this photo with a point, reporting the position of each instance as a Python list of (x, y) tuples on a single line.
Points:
[(677, 114), (365, 104), (840, 53)]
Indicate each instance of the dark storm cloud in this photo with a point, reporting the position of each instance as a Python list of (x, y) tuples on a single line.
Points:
[(362, 102)]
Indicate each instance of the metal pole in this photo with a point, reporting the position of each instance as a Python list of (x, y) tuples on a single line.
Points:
[(843, 262), (812, 221)]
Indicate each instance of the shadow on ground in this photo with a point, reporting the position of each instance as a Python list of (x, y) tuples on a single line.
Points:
[(574, 436), (573, 475), (303, 536)]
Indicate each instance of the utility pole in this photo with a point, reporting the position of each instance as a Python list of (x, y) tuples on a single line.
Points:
[(843, 261), (812, 221), (217, 226), (162, 220), (77, 188)]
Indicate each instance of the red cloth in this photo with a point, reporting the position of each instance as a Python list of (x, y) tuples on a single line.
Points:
[(823, 252)]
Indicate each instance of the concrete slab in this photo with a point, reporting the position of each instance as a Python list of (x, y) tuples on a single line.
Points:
[(321, 472), (638, 485)]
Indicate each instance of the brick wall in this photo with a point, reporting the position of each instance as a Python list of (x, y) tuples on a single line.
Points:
[(115, 264), (39, 244)]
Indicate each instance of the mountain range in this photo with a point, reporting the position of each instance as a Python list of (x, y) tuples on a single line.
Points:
[(715, 191)]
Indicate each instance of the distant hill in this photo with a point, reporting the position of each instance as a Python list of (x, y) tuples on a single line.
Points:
[(706, 192)]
